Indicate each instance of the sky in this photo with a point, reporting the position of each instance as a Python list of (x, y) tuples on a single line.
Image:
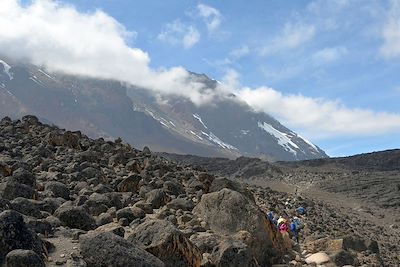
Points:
[(328, 70)]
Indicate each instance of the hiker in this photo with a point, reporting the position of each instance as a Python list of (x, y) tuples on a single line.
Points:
[(270, 215), (280, 221), (283, 230), (294, 230)]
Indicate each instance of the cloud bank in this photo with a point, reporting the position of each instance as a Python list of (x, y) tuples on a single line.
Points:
[(60, 38), (320, 118)]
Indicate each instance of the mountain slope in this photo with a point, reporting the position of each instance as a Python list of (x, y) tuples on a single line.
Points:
[(101, 108)]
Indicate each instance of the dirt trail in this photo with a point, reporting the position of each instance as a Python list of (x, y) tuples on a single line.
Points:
[(367, 211)]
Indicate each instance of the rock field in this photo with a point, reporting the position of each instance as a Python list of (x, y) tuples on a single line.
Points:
[(68, 200)]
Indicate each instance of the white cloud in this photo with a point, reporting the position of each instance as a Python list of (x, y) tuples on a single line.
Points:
[(391, 32), (329, 54), (240, 52), (293, 36), (210, 15), (60, 38), (177, 33), (320, 118)]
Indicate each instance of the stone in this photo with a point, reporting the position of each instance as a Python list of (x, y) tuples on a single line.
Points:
[(11, 190), (27, 207), (344, 257), (318, 258), (75, 217), (130, 213), (129, 184), (103, 218), (232, 253), (181, 203), (57, 189), (163, 240), (23, 258), (157, 198), (112, 227), (236, 212), (115, 251), (14, 234), (221, 183), (24, 176)]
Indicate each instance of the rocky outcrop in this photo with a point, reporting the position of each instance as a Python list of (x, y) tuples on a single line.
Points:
[(163, 240), (227, 212), (108, 249)]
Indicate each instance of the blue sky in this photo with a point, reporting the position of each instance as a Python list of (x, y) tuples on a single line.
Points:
[(336, 56)]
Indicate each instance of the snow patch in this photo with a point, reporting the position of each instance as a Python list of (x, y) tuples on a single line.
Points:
[(213, 138), (283, 138), (46, 74), (7, 69), (201, 138), (197, 116), (34, 79), (309, 143)]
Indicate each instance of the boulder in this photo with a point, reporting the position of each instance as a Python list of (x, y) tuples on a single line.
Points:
[(318, 258), (206, 179), (157, 198), (206, 242), (14, 234), (75, 217), (4, 204), (24, 176), (162, 239), (344, 257), (232, 253), (27, 207), (11, 189), (114, 228), (57, 189), (23, 258), (129, 184), (173, 188), (181, 203), (130, 213), (221, 183), (115, 251), (228, 212)]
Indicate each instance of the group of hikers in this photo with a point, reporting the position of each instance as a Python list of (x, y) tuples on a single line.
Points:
[(288, 227)]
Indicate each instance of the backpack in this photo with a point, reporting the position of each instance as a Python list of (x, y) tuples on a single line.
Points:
[(299, 224)]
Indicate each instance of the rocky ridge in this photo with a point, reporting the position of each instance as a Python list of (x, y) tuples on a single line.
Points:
[(69, 200)]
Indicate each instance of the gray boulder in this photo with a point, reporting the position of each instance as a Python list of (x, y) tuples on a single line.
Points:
[(115, 251), (157, 198), (181, 203), (57, 189), (232, 253), (23, 258), (162, 239), (11, 189), (75, 217), (130, 213), (27, 207), (14, 234), (227, 212)]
